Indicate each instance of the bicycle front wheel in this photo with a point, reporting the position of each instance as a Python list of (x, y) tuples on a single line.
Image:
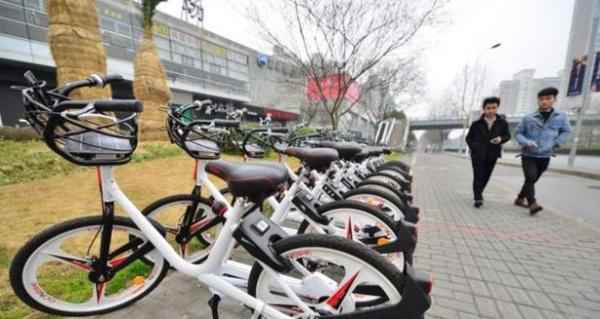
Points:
[(330, 276), (54, 271)]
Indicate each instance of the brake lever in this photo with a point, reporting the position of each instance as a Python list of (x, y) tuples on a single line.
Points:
[(76, 114)]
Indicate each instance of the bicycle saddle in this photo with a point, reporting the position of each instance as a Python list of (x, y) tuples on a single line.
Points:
[(253, 180), (314, 158), (346, 150)]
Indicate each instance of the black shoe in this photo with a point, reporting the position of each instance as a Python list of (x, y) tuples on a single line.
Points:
[(534, 208), (520, 201), (478, 203)]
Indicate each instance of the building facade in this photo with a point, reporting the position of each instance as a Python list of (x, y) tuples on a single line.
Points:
[(578, 62), (199, 64), (519, 95)]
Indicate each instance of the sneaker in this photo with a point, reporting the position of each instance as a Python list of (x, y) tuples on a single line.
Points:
[(534, 208), (521, 202), (478, 203)]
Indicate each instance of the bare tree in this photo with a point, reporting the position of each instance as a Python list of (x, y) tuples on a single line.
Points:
[(467, 91), (392, 87), (340, 41)]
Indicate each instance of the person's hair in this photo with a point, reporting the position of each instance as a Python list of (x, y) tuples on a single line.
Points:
[(490, 100), (548, 91)]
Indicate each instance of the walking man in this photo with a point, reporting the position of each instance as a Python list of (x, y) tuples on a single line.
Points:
[(485, 138), (538, 135)]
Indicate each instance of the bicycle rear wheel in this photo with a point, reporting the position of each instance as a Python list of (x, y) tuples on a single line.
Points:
[(53, 272)]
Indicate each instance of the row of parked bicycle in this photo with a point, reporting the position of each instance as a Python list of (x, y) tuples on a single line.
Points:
[(306, 229)]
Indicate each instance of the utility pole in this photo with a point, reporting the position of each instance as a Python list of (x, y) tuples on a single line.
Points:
[(587, 83)]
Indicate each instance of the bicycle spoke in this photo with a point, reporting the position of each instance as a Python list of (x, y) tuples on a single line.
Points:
[(349, 228), (99, 292), (57, 254), (336, 299)]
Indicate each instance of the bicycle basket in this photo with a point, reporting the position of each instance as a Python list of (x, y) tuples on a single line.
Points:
[(37, 113), (88, 133), (193, 137)]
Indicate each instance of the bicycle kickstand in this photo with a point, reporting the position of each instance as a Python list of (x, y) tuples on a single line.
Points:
[(213, 302)]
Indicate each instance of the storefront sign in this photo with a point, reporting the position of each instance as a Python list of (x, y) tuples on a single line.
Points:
[(161, 29), (332, 86), (184, 38)]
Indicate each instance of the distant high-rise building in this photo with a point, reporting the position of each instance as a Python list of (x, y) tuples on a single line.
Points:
[(518, 96)]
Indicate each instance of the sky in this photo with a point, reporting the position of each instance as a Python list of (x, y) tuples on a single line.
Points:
[(534, 34)]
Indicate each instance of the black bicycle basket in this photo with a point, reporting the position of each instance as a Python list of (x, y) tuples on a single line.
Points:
[(194, 136), (92, 133)]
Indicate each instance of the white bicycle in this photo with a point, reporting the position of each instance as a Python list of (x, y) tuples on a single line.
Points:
[(98, 264)]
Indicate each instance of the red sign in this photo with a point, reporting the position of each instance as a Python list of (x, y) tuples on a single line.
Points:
[(331, 86), (280, 115)]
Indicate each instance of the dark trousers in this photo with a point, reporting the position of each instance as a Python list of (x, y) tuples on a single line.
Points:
[(533, 168), (482, 170)]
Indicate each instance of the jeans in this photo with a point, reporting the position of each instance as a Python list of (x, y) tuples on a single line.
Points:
[(482, 170), (533, 167)]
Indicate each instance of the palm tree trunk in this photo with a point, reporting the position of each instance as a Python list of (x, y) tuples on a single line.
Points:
[(76, 44), (150, 86)]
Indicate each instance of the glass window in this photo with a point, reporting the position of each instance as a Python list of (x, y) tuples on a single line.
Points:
[(120, 41), (237, 57), (108, 24), (164, 54), (238, 67), (35, 4), (124, 29), (162, 43), (38, 34), (37, 18), (238, 75), (176, 47), (13, 28), (220, 61), (177, 57), (136, 20), (187, 60), (206, 67), (208, 57), (138, 34), (191, 51), (11, 12)]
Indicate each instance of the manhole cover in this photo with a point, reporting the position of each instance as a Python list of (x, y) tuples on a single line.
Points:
[(594, 187)]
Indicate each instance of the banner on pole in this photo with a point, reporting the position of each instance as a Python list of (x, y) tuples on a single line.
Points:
[(576, 76), (595, 85)]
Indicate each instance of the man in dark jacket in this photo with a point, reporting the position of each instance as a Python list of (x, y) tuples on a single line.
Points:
[(485, 138)]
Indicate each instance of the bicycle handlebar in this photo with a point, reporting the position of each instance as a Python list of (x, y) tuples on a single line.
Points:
[(92, 80)]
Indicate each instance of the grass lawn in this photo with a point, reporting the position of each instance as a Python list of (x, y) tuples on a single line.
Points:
[(38, 190)]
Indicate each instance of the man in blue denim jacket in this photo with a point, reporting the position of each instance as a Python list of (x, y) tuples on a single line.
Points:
[(539, 134)]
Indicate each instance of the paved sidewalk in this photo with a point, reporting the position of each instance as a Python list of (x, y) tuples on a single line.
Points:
[(498, 261), (495, 262)]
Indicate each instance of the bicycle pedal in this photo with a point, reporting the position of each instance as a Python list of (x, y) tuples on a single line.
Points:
[(213, 302)]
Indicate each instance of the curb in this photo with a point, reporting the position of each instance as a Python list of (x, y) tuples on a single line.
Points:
[(563, 171)]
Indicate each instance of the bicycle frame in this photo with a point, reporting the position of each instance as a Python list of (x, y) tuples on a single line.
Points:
[(208, 271)]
